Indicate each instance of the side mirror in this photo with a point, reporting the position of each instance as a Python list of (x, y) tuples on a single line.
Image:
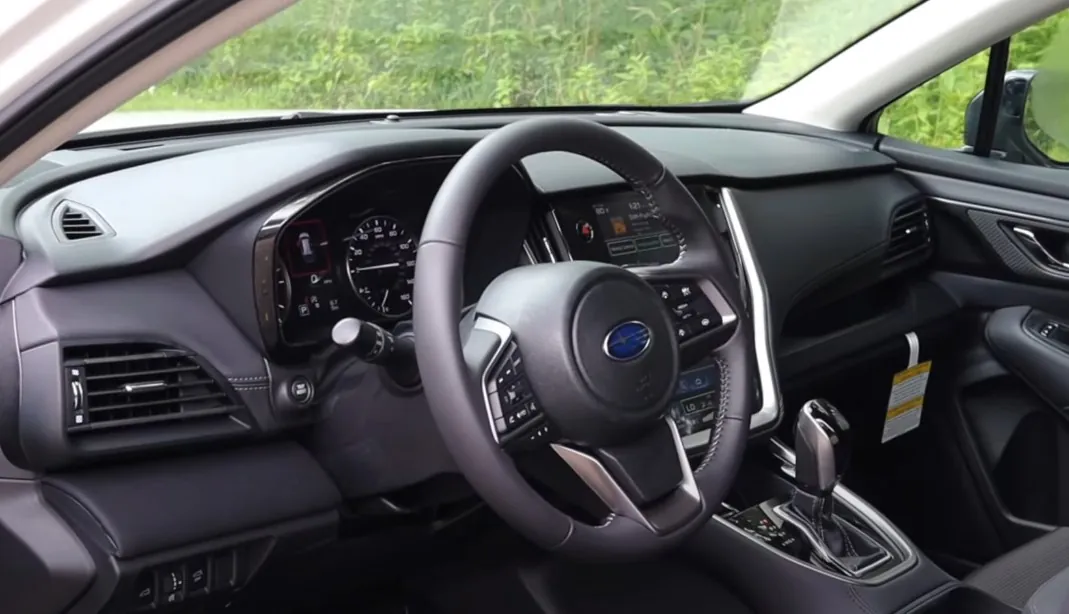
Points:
[(1032, 125), (1011, 141)]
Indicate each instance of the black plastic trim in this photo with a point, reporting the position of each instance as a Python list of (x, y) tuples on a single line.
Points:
[(136, 509)]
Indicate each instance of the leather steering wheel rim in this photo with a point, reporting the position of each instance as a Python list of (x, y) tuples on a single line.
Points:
[(452, 361)]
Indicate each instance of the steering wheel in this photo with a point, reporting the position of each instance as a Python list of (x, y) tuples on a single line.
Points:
[(586, 353)]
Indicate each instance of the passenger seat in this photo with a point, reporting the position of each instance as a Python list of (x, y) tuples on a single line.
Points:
[(1015, 576)]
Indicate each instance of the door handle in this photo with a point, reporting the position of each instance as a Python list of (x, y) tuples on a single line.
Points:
[(1032, 242)]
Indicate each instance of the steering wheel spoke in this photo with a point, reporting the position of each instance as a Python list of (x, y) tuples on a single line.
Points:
[(648, 480), (517, 419)]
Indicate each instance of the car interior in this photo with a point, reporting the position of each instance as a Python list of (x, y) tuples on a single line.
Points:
[(556, 361)]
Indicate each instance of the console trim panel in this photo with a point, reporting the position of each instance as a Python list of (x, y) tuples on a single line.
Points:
[(861, 508)]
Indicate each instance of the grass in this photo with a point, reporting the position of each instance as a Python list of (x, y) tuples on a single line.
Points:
[(449, 54)]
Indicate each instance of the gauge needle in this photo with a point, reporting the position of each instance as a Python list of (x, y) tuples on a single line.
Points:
[(389, 265), (385, 297)]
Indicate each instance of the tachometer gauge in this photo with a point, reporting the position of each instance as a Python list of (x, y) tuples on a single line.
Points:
[(381, 261), (283, 293)]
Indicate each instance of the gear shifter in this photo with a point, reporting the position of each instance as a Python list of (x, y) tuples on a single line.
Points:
[(822, 449)]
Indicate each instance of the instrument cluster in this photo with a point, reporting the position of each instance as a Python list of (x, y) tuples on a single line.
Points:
[(353, 251)]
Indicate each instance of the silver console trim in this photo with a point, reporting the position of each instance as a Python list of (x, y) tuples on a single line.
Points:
[(771, 409), (859, 506), (821, 548), (598, 479)]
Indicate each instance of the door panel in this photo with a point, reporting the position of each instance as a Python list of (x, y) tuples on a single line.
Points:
[(1002, 233)]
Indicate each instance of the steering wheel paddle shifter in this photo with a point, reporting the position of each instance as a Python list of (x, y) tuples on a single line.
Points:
[(579, 360), (822, 450)]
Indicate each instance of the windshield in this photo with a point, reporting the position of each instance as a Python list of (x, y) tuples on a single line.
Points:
[(472, 54)]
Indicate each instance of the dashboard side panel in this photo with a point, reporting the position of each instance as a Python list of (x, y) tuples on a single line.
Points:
[(224, 268), (45, 565), (374, 440), (168, 307), (135, 509), (807, 237)]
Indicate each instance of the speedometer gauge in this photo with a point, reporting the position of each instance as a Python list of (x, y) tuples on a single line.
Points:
[(381, 261)]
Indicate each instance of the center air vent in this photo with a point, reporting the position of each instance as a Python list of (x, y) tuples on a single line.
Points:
[(74, 222), (125, 385), (910, 238)]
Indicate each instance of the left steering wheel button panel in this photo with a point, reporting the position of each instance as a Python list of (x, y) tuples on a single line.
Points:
[(512, 401)]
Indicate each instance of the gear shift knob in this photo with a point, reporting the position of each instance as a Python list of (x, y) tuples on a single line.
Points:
[(821, 447)]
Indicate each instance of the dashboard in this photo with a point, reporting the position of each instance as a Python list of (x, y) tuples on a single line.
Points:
[(245, 273), (166, 310)]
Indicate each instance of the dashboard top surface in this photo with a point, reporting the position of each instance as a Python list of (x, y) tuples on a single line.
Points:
[(164, 206)]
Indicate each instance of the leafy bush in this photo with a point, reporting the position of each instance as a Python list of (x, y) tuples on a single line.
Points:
[(447, 54)]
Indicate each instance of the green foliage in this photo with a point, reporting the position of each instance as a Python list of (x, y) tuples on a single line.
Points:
[(444, 54), (934, 113), (449, 54)]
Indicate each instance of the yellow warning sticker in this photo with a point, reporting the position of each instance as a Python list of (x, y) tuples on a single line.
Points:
[(906, 402)]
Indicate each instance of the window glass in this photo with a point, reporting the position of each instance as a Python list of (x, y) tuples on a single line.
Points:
[(935, 113)]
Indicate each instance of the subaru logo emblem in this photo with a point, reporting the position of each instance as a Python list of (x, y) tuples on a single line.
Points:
[(627, 341)]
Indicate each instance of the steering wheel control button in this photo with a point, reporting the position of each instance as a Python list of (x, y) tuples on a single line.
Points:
[(512, 401), (301, 390), (692, 311)]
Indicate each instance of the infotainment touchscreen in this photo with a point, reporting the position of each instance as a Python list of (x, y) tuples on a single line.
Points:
[(618, 228)]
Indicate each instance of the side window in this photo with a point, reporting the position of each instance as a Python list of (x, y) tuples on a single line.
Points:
[(1032, 122)]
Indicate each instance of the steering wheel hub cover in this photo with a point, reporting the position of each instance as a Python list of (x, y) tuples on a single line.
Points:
[(623, 346)]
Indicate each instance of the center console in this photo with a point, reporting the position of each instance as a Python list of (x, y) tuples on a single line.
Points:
[(792, 538)]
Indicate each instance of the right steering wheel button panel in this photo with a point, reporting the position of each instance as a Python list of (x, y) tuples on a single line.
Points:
[(692, 312)]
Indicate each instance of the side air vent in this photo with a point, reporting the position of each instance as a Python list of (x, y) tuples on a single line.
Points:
[(74, 222), (910, 239), (538, 244), (125, 385)]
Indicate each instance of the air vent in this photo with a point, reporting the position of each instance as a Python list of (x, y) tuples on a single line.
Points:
[(538, 242), (74, 222), (910, 239), (126, 385)]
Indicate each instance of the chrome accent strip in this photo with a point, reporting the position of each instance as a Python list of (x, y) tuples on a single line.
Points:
[(859, 506), (821, 548), (552, 215), (528, 252), (143, 386), (549, 249), (766, 366), (598, 479), (504, 333)]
